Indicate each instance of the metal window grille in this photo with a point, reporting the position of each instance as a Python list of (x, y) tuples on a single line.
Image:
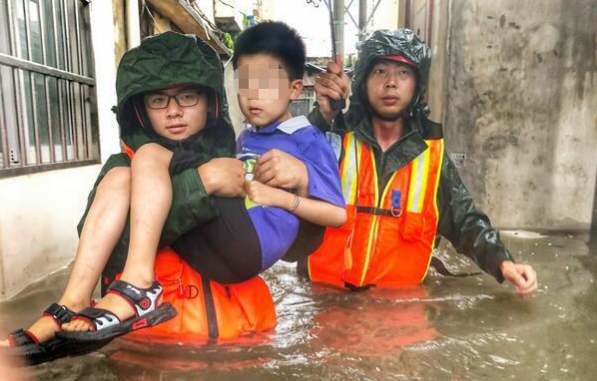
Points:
[(48, 117), (304, 104)]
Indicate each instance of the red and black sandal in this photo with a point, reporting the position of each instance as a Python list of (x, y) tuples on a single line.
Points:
[(26, 347), (105, 325), (23, 338)]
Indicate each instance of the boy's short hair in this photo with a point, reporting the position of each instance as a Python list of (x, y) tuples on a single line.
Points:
[(274, 38)]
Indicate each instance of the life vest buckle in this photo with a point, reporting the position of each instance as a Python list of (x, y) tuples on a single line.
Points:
[(396, 208), (396, 212)]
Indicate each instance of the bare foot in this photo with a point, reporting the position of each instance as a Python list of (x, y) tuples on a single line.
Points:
[(44, 328), (114, 303)]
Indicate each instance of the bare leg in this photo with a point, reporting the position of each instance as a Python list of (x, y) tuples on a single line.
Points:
[(151, 199), (103, 227)]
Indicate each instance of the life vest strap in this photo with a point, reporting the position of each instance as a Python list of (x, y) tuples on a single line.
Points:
[(378, 211), (210, 309)]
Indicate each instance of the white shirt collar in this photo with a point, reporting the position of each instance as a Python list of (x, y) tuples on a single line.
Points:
[(292, 125), (289, 126)]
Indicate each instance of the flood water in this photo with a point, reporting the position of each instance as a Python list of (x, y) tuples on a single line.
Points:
[(449, 329)]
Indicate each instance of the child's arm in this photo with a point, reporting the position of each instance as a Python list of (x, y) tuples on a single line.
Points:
[(223, 177), (315, 211)]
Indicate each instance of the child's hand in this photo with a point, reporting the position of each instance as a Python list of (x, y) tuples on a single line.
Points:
[(267, 196), (279, 169)]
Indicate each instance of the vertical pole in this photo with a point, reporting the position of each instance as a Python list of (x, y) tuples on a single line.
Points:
[(362, 19), (594, 220), (339, 30), (4, 134), (57, 18), (133, 30), (33, 122)]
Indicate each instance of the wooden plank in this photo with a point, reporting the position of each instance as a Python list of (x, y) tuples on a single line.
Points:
[(173, 10)]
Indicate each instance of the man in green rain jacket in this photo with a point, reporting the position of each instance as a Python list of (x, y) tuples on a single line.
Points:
[(387, 121), (170, 92)]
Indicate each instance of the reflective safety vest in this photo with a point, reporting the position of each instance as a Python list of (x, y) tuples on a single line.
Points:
[(389, 234), (207, 310)]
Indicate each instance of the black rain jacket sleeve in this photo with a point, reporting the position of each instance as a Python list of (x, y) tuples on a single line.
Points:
[(467, 227)]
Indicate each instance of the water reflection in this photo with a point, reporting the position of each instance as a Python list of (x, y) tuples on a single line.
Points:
[(460, 329)]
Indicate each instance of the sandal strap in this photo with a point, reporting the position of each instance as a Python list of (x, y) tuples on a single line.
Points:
[(20, 338), (97, 317), (143, 300), (60, 314)]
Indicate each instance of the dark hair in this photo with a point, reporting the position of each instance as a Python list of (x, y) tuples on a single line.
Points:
[(274, 38)]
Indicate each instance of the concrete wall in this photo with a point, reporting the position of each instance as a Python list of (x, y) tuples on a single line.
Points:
[(436, 41), (38, 223), (385, 17), (520, 103)]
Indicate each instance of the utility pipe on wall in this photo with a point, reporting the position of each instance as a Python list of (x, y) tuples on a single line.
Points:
[(133, 29), (339, 29)]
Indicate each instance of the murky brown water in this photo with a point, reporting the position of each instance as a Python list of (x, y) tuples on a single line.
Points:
[(449, 329)]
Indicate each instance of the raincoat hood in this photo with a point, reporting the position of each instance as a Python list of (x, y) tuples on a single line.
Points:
[(163, 61), (401, 42)]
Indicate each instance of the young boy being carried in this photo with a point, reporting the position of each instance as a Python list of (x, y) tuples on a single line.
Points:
[(269, 61)]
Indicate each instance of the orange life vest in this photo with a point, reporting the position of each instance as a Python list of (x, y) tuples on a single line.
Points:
[(389, 234), (206, 309)]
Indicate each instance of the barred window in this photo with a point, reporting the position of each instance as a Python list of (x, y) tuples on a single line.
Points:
[(304, 104), (48, 117)]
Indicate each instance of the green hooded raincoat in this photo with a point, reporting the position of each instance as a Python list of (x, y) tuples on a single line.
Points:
[(159, 62)]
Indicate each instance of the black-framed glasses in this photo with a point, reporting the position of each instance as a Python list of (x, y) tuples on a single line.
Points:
[(186, 98)]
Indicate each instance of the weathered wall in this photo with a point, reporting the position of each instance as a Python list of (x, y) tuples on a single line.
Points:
[(437, 74), (521, 103), (119, 30), (385, 16), (38, 224)]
